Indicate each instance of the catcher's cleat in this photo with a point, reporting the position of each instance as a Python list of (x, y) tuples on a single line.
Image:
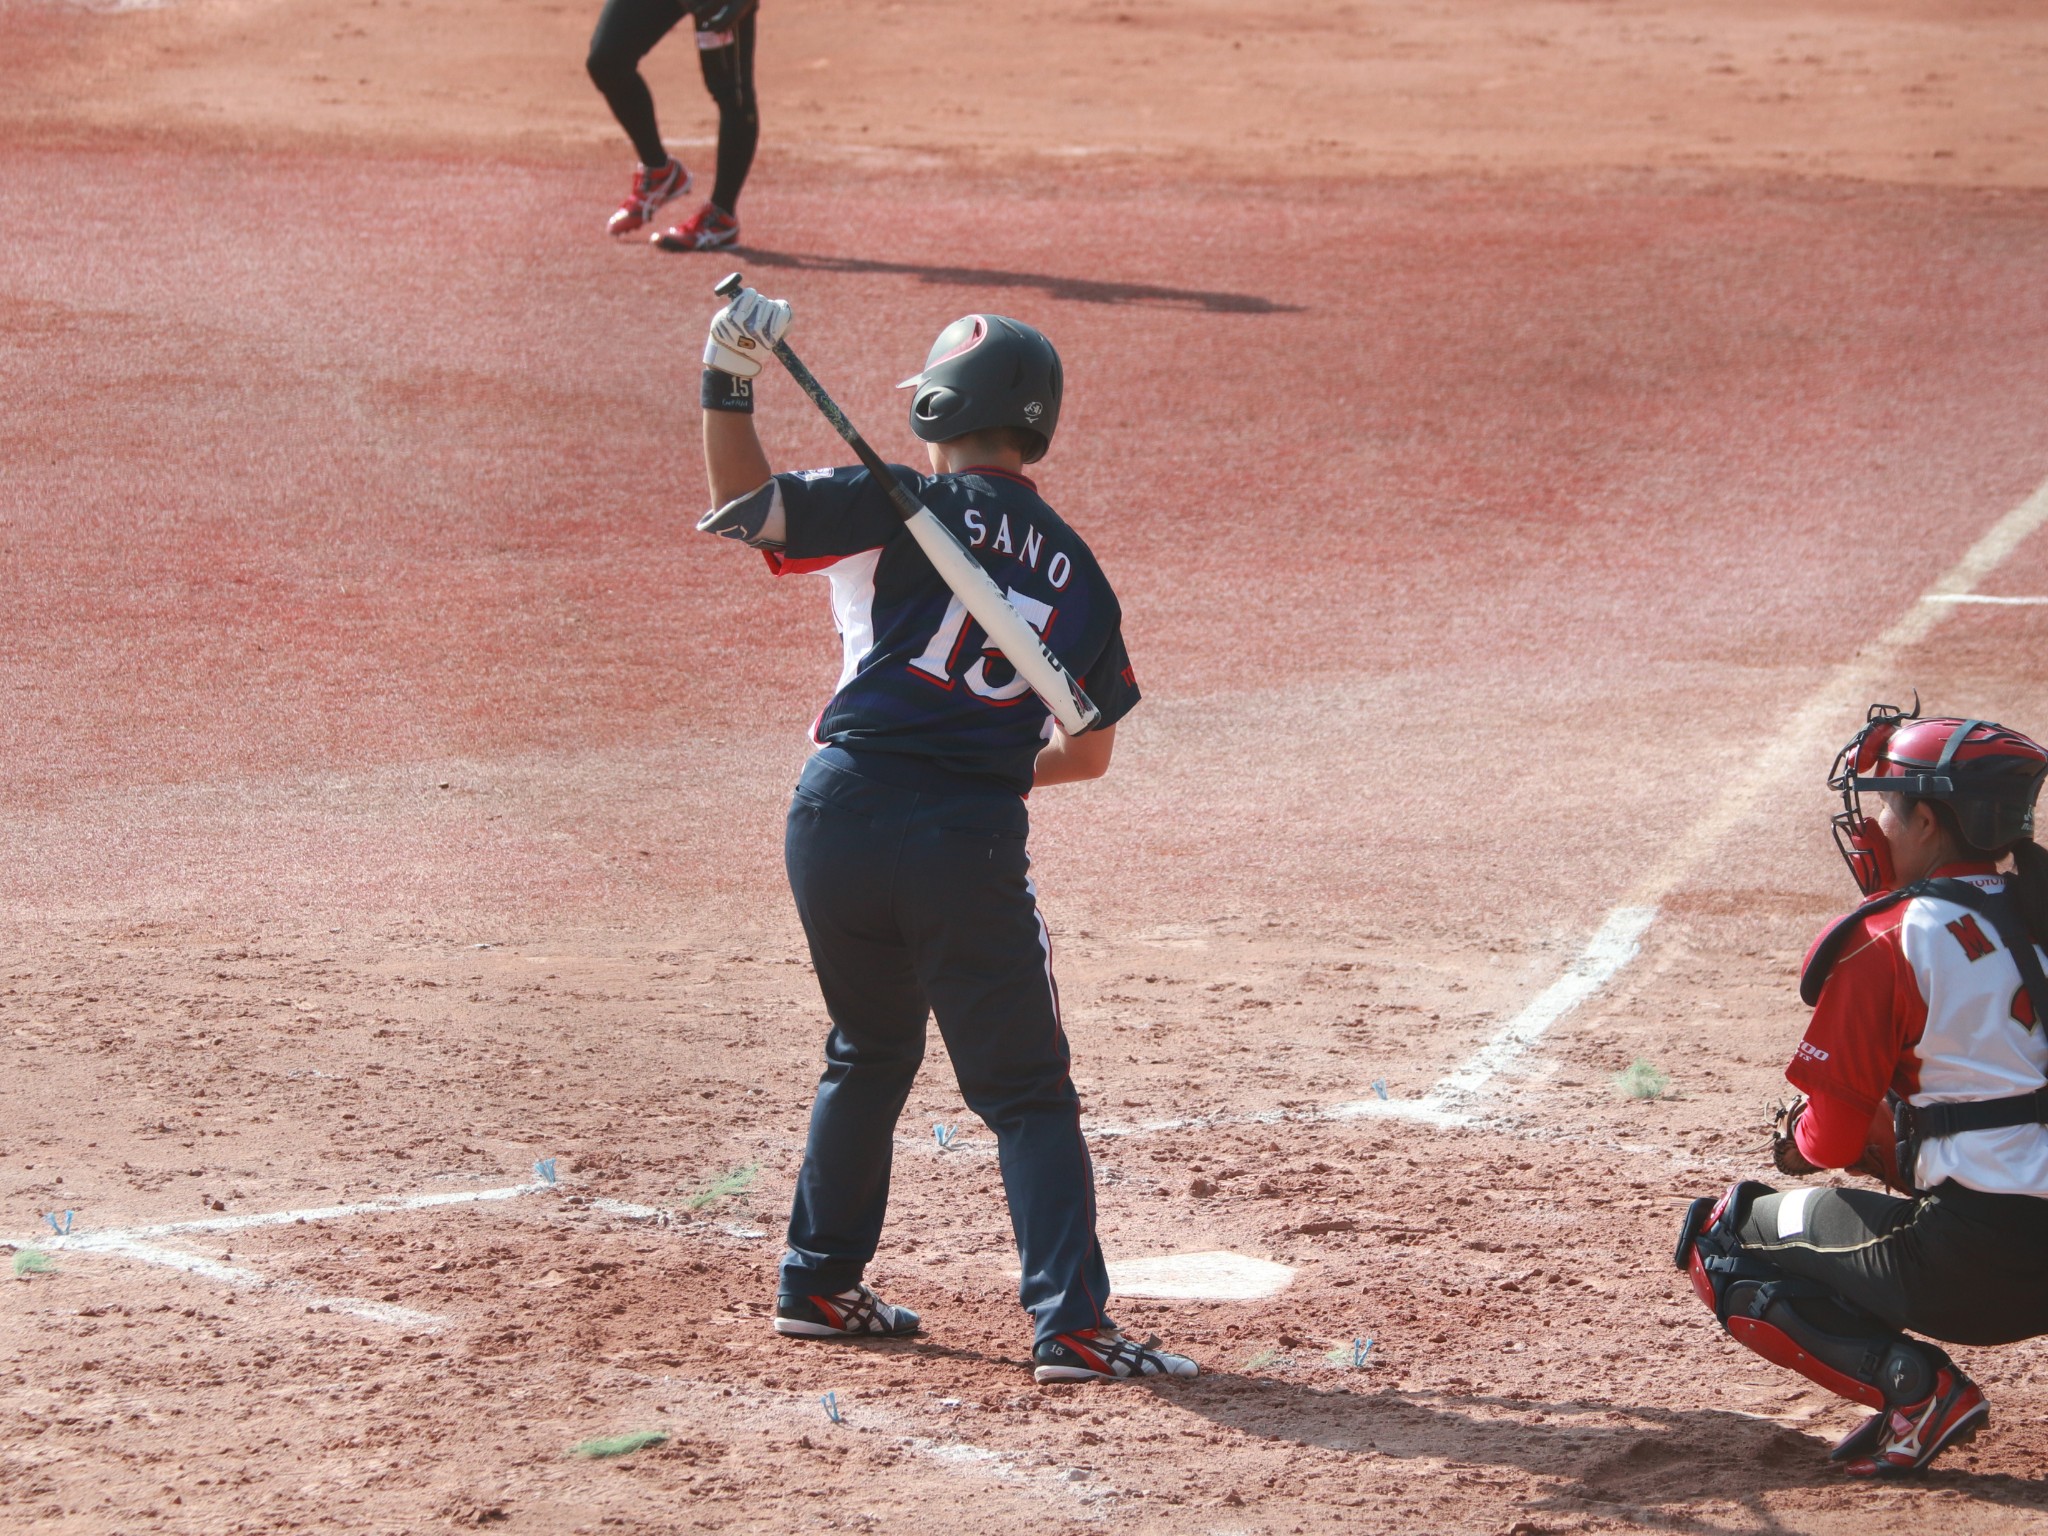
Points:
[(1862, 1440), (855, 1314), (650, 190), (1104, 1354), (705, 230), (1903, 1440)]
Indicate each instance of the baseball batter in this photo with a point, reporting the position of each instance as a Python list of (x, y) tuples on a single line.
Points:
[(1926, 1065), (905, 842), (626, 32)]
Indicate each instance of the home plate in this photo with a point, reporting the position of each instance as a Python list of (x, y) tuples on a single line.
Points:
[(1218, 1276)]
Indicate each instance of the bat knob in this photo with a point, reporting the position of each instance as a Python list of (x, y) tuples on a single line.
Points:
[(729, 286)]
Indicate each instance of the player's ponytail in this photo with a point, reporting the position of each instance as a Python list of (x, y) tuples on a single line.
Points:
[(2029, 886)]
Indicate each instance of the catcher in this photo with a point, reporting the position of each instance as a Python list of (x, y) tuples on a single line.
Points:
[(1925, 1065)]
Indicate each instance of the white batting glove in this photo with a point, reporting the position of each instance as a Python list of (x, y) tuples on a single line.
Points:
[(744, 332)]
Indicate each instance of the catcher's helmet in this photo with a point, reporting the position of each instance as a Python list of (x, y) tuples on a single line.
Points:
[(986, 371), (1987, 775)]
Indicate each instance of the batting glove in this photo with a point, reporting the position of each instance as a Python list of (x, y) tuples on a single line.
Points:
[(744, 332)]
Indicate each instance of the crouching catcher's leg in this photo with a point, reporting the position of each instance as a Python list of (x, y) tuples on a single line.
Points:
[(1924, 1403)]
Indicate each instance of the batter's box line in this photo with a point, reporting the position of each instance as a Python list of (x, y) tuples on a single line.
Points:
[(145, 1244), (1448, 1105)]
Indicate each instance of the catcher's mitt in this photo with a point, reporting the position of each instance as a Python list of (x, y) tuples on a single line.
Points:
[(1785, 1154), (1875, 1163)]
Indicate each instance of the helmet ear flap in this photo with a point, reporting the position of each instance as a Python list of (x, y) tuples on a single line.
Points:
[(935, 402)]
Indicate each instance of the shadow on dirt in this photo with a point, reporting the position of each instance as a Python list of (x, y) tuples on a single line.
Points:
[(1080, 289), (1597, 1453)]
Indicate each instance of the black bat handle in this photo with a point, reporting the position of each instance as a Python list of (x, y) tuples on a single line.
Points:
[(729, 287)]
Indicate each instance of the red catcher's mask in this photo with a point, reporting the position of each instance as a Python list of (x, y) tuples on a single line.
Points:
[(1863, 846), (1988, 776)]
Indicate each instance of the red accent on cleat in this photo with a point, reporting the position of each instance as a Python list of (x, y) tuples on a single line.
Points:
[(705, 230), (1913, 1435), (650, 190), (1104, 1354)]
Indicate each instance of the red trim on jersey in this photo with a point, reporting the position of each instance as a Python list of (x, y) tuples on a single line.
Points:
[(991, 469), (782, 565)]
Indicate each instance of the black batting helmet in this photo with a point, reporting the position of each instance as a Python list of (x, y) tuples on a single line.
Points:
[(987, 371)]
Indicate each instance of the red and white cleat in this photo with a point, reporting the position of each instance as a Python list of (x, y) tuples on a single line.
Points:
[(650, 190), (1904, 1440), (855, 1314), (705, 230), (1104, 1354)]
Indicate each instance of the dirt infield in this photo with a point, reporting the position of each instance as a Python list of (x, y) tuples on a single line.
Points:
[(1524, 436)]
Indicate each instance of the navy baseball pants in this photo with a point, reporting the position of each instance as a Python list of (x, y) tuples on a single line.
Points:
[(919, 901)]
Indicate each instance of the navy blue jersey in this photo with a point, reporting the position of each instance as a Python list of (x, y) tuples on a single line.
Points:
[(919, 678)]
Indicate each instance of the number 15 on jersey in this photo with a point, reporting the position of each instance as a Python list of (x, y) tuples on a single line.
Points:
[(941, 656)]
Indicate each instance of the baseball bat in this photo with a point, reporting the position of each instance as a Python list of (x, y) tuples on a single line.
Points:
[(976, 589)]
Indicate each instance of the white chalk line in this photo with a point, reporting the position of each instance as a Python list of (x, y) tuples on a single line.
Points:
[(143, 1244), (1978, 597)]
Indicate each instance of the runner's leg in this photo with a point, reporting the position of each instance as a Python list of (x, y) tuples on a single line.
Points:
[(729, 77), (626, 31)]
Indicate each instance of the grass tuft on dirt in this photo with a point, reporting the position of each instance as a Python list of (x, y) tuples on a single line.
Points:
[(736, 1182), (32, 1261), (620, 1445), (1641, 1079)]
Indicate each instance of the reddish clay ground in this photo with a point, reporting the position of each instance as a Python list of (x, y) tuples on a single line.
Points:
[(1498, 420)]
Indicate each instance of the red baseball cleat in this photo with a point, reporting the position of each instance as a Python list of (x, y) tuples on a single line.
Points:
[(706, 230), (650, 190), (1904, 1440)]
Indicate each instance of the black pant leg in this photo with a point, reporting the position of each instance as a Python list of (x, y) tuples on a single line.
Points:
[(984, 957), (840, 850), (729, 77), (1956, 1265), (626, 31)]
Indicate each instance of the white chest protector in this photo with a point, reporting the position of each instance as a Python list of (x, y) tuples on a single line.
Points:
[(1979, 1112), (1982, 1041)]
